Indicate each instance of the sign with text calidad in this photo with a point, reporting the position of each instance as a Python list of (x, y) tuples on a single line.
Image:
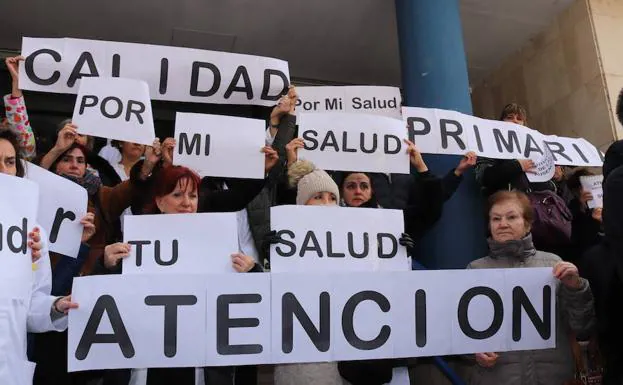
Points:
[(354, 142), (61, 208), (374, 100), (260, 318), (201, 243), (115, 108), (337, 239), (19, 201), (448, 132), (172, 73), (220, 146)]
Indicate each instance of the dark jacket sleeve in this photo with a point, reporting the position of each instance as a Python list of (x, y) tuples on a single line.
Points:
[(425, 205), (66, 269), (450, 183), (584, 229), (235, 199)]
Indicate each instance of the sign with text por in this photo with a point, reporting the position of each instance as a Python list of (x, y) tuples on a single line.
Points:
[(594, 184), (201, 243), (19, 200), (61, 208), (354, 142), (220, 146), (172, 73), (375, 100), (544, 166), (115, 108), (337, 239), (199, 320), (448, 132)]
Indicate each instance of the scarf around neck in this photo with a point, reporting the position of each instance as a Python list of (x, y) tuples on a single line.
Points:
[(519, 249), (91, 182)]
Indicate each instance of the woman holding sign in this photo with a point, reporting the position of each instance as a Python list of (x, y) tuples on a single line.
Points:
[(510, 246), (42, 312)]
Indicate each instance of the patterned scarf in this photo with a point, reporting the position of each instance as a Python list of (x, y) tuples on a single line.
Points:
[(520, 249), (91, 182)]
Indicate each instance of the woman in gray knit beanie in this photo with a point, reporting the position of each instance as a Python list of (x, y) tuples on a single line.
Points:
[(313, 187)]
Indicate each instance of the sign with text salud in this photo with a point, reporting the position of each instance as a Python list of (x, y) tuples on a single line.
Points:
[(172, 73), (375, 100), (594, 184), (354, 142)]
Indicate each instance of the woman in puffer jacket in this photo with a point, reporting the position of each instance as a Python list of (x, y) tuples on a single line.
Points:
[(510, 246)]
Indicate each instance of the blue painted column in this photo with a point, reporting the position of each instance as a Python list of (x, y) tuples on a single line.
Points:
[(434, 74)]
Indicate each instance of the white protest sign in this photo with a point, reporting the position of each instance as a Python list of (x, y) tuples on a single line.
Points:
[(375, 100), (115, 108), (172, 73), (448, 132), (149, 323), (133, 322), (354, 142), (337, 239), (61, 208), (19, 199), (221, 146), (594, 184), (200, 243), (544, 167)]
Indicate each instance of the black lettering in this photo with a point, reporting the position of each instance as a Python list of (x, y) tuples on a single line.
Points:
[(557, 148), (542, 326), (348, 315), (362, 138), (189, 148), (268, 74), (87, 101), (351, 246), (445, 134), (330, 252), (194, 80), (224, 323), (420, 318), (174, 254), (29, 67), (139, 250), (357, 103), (331, 141), (291, 307), (116, 65), (241, 72), (397, 142), (284, 242), (310, 136), (331, 104), (498, 313), (531, 146), (345, 143), (394, 250), (85, 58), (105, 103), (164, 76), (104, 304), (577, 149), (18, 247), (310, 237), (140, 108), (170, 303), (411, 127), (58, 220), (478, 139), (509, 145)]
